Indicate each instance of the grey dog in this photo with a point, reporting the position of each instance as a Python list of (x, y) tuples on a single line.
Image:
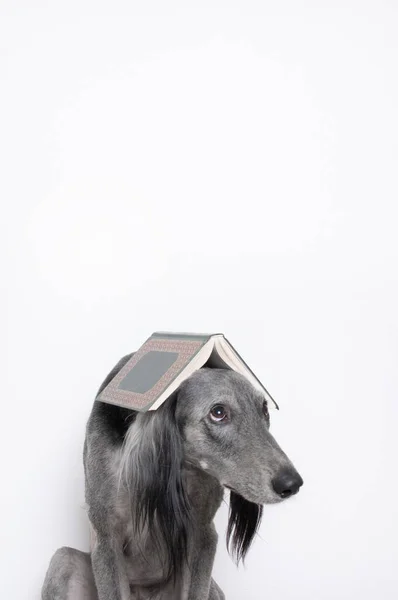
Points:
[(154, 482)]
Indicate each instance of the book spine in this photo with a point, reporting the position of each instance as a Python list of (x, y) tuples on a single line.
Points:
[(166, 335)]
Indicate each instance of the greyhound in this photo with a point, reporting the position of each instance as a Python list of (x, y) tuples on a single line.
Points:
[(154, 482)]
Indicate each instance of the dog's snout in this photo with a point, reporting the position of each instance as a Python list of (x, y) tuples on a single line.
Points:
[(287, 483)]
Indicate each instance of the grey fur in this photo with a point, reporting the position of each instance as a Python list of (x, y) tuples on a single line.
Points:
[(240, 454)]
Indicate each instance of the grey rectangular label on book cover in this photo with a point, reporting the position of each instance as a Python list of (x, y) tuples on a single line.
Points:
[(147, 372)]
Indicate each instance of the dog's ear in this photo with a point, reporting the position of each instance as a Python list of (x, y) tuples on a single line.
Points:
[(152, 468), (243, 523)]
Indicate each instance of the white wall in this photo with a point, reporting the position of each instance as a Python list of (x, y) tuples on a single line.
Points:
[(206, 166)]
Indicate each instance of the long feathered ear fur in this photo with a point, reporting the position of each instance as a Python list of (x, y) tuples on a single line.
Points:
[(244, 521), (152, 469)]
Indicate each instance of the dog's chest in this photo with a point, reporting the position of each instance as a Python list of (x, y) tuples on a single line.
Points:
[(142, 557), (145, 570), (143, 560)]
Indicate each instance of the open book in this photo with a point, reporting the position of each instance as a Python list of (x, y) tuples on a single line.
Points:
[(156, 370)]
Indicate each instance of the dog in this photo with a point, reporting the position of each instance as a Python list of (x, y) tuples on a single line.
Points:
[(154, 482)]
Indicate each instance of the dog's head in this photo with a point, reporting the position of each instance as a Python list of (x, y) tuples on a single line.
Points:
[(219, 423), (225, 428), (225, 425)]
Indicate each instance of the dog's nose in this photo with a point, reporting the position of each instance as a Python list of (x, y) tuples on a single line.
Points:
[(287, 483)]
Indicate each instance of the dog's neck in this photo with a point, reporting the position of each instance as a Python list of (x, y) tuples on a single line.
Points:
[(205, 493)]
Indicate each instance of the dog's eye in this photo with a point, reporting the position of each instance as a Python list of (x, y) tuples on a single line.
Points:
[(218, 413), (265, 409)]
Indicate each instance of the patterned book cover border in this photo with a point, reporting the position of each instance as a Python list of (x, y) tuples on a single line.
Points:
[(135, 401)]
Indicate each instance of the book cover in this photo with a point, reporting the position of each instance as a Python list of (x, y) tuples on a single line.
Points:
[(151, 370)]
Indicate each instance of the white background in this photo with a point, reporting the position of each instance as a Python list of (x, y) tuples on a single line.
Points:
[(205, 166)]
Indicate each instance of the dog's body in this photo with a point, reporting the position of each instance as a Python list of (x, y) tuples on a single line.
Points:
[(154, 482)]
